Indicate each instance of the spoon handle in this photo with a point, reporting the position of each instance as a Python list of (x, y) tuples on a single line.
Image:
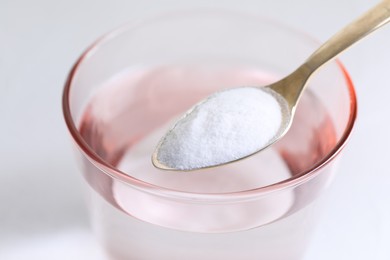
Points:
[(352, 33), (291, 87)]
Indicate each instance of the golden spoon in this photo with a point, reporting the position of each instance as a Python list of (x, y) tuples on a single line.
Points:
[(291, 87)]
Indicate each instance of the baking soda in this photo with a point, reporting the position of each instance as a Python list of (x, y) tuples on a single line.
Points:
[(226, 126)]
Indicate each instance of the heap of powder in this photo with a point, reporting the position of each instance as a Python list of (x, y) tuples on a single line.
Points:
[(226, 126)]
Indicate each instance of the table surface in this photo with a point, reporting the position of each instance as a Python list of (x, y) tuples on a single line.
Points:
[(41, 207)]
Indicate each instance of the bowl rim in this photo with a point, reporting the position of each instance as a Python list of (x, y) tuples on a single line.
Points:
[(195, 196)]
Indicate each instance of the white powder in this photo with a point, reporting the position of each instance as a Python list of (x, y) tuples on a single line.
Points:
[(225, 127)]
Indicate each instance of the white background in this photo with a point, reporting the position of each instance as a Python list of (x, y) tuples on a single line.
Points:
[(42, 215)]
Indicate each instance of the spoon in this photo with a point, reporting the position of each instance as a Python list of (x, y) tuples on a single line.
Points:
[(291, 87)]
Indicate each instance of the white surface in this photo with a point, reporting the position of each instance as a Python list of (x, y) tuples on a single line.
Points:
[(41, 207)]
